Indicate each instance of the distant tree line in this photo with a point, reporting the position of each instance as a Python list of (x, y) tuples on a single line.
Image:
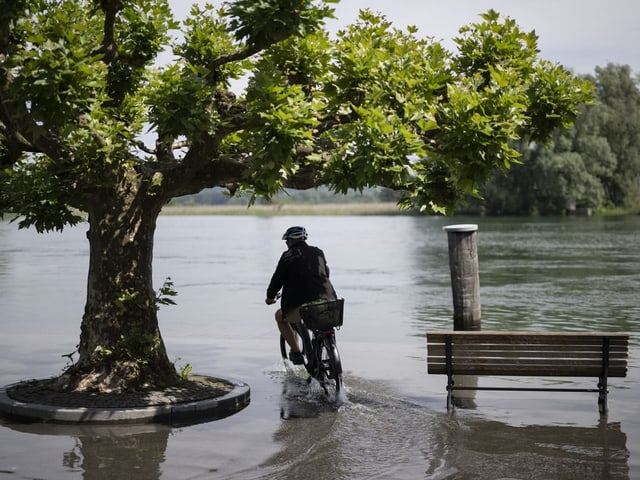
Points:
[(220, 196), (594, 164)]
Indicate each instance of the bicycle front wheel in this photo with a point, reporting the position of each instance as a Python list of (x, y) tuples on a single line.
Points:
[(330, 367)]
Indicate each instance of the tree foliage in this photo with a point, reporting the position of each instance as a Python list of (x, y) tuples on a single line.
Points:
[(375, 106)]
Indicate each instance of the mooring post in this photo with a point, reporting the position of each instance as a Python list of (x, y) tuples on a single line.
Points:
[(465, 280)]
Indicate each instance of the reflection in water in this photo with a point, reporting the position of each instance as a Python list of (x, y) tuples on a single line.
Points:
[(483, 449), (465, 398), (109, 452)]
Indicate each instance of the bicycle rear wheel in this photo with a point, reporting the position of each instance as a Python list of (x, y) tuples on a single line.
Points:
[(303, 341), (330, 367)]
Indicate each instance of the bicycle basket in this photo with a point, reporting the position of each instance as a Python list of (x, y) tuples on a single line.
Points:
[(322, 314)]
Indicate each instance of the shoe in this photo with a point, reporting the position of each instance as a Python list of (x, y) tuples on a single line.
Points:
[(296, 358)]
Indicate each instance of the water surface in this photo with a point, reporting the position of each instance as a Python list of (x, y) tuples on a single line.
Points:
[(543, 274)]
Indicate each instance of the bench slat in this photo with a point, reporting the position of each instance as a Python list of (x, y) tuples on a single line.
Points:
[(527, 368), (613, 346), (542, 338), (525, 333), (522, 371), (566, 362), (518, 352)]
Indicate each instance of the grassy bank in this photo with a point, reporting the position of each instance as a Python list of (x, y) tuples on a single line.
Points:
[(288, 209)]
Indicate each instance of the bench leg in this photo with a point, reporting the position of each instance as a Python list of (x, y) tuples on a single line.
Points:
[(602, 396), (450, 382), (602, 383), (448, 353)]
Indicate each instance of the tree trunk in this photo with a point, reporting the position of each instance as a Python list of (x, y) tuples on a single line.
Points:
[(120, 347)]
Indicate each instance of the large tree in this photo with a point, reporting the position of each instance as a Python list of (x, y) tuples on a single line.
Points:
[(92, 127)]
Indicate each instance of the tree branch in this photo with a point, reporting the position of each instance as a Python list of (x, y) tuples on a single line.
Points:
[(15, 128), (109, 48), (235, 57)]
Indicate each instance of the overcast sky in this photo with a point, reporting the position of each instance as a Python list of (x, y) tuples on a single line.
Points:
[(580, 34)]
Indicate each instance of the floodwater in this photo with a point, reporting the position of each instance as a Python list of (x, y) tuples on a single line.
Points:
[(535, 274)]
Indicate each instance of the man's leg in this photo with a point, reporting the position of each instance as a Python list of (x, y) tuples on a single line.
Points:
[(284, 325)]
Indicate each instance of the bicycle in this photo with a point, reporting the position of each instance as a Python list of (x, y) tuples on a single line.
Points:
[(317, 338)]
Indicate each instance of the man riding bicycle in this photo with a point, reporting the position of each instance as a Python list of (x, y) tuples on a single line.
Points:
[(303, 275)]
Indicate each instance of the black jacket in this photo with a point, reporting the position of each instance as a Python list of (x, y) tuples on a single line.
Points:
[(303, 275)]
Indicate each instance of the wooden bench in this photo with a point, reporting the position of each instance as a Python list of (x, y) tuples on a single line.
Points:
[(542, 354)]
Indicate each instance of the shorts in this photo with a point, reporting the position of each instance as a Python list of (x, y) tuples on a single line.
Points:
[(293, 316)]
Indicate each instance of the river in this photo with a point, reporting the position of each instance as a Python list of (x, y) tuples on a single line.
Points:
[(558, 274)]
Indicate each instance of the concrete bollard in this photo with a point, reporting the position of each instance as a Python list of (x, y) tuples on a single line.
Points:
[(465, 280)]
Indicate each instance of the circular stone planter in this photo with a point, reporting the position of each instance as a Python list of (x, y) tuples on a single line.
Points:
[(202, 400)]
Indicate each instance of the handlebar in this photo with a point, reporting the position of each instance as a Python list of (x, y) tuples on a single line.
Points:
[(271, 301)]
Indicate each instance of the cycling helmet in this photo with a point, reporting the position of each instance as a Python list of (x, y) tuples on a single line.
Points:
[(295, 233)]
